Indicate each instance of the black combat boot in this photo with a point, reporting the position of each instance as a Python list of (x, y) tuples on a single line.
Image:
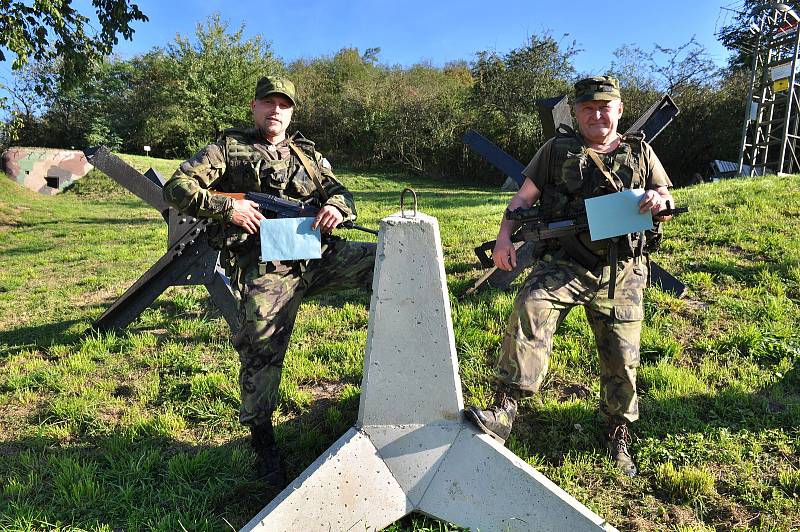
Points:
[(617, 439), (496, 421), (269, 465)]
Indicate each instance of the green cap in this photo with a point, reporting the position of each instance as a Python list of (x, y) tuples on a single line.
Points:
[(597, 88), (275, 85)]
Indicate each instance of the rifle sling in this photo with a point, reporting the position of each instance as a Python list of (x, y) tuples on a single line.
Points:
[(613, 252), (612, 270), (311, 170), (604, 169)]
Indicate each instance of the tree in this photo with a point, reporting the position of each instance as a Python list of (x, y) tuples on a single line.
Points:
[(506, 89), (27, 89), (710, 103), (342, 101), (51, 29), (32, 92), (180, 98), (52, 113), (741, 34)]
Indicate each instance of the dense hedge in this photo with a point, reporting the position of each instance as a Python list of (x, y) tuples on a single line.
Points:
[(365, 113)]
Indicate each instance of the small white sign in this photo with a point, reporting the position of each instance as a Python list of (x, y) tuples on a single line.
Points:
[(147, 149), (753, 111), (781, 71)]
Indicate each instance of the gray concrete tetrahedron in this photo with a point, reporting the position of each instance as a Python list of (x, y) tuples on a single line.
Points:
[(411, 449)]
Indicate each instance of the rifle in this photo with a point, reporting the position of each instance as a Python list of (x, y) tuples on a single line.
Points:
[(286, 208), (535, 229)]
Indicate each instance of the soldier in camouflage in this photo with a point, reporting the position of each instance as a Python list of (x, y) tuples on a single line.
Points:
[(607, 277), (265, 159)]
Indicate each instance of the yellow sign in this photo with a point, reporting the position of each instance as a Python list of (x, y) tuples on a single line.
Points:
[(780, 85)]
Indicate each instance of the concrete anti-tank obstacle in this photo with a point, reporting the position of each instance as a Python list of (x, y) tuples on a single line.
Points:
[(411, 449)]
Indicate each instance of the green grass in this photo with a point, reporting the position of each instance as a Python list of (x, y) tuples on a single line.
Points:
[(686, 484), (138, 430)]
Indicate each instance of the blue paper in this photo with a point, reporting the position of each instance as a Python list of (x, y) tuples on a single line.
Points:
[(617, 214), (289, 239)]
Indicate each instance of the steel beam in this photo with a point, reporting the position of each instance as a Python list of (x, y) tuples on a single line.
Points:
[(189, 259)]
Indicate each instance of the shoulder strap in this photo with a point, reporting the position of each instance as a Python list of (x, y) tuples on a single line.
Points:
[(311, 169), (636, 143), (603, 168)]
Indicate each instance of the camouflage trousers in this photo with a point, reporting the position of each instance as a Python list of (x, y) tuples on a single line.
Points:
[(548, 294), (267, 312)]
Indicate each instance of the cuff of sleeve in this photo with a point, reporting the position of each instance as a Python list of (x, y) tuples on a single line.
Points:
[(221, 207), (227, 215), (346, 212)]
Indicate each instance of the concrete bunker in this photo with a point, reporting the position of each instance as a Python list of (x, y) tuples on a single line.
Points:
[(44, 170)]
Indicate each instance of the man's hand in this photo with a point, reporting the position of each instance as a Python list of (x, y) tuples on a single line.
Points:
[(328, 218), (655, 201), (504, 254), (246, 215)]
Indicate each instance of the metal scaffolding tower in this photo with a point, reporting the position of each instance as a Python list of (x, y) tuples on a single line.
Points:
[(770, 131)]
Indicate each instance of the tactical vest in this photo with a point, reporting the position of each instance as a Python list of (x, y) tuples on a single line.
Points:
[(250, 169), (574, 177)]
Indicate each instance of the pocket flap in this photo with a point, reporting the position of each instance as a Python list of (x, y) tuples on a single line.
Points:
[(628, 313)]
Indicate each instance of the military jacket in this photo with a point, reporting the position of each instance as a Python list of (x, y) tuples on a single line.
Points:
[(241, 161)]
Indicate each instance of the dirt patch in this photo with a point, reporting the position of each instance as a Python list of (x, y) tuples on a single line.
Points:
[(107, 295), (734, 516), (639, 523), (575, 390), (773, 407), (325, 395), (14, 419), (111, 416), (123, 391), (568, 391), (695, 304), (325, 390), (682, 516)]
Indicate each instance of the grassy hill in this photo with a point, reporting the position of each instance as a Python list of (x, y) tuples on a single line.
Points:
[(138, 430)]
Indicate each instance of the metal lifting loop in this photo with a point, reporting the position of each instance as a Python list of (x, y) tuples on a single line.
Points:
[(402, 202)]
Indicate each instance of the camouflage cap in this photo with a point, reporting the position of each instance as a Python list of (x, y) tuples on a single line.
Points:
[(275, 85), (597, 88)]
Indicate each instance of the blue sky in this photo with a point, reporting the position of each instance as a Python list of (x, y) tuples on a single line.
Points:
[(412, 31)]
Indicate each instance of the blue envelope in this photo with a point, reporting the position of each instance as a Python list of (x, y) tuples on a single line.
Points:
[(617, 214), (289, 239)]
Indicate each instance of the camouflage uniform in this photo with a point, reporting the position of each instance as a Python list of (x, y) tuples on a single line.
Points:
[(554, 287), (270, 293), (562, 280)]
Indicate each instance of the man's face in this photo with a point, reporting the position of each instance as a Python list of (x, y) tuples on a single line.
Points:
[(272, 114), (598, 119)]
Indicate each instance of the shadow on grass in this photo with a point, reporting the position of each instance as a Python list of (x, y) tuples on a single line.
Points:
[(38, 336), (143, 477), (749, 275), (302, 437), (403, 178), (88, 221), (773, 407), (129, 483), (566, 426)]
